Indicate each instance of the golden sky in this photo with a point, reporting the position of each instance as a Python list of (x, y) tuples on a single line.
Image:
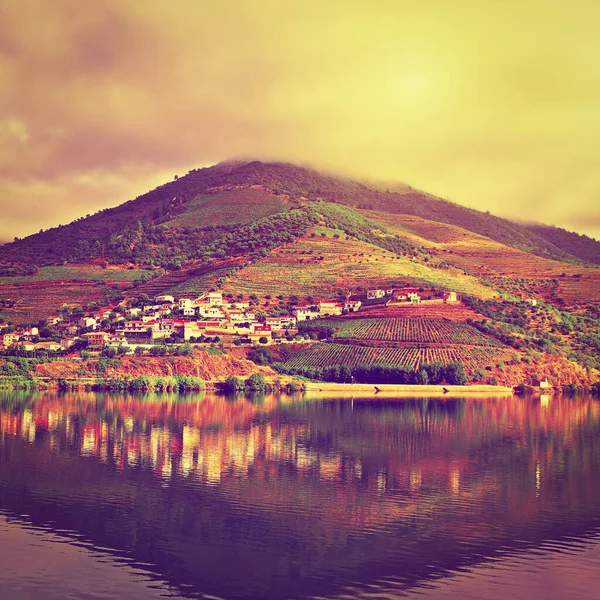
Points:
[(494, 104)]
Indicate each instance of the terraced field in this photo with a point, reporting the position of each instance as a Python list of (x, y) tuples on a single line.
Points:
[(37, 300), (326, 355), (79, 273), (483, 257), (320, 266), (434, 310), (198, 284), (230, 207), (422, 231), (419, 331), (188, 281)]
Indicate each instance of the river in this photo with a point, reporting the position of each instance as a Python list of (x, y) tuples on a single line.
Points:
[(201, 496)]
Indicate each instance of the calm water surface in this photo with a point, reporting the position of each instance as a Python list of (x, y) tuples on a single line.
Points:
[(107, 496)]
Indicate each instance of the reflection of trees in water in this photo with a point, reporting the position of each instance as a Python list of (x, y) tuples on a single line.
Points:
[(329, 484), (334, 440)]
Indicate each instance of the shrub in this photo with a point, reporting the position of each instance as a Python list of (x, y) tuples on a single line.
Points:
[(435, 372), (479, 375), (421, 377), (454, 373), (232, 385), (571, 389), (521, 389), (261, 356), (256, 382), (292, 387)]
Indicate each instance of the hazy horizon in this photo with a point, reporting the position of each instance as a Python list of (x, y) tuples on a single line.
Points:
[(488, 104)]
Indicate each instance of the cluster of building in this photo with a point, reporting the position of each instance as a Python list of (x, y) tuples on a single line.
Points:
[(188, 319)]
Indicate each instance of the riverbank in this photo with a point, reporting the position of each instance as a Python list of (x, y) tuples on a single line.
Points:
[(367, 390)]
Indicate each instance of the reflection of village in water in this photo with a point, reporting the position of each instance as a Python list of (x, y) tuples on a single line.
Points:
[(405, 446), (308, 491)]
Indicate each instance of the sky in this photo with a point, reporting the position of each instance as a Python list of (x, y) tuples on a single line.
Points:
[(491, 103)]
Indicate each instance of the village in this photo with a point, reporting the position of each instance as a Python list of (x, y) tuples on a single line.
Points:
[(139, 324)]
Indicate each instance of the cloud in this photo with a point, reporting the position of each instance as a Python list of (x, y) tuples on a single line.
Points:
[(467, 100)]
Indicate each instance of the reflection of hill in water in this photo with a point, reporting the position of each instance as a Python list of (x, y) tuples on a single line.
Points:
[(301, 494)]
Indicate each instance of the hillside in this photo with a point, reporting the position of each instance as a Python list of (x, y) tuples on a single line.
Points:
[(271, 232), (581, 246), (314, 265), (207, 366), (420, 348), (514, 271), (186, 219)]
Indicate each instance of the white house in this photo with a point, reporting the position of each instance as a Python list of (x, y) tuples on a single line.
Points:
[(97, 339), (288, 321), (185, 303), (8, 339), (330, 308), (212, 298), (66, 343), (305, 313), (164, 298), (51, 346), (274, 323), (87, 322), (237, 316), (281, 323), (211, 312), (375, 293), (450, 297), (410, 294), (151, 307), (352, 305)]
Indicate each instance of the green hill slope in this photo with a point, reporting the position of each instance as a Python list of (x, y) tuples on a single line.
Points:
[(581, 246), (208, 204)]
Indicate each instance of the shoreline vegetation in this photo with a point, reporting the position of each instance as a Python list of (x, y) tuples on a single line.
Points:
[(257, 383)]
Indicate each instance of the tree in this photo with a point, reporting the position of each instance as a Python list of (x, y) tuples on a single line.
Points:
[(256, 382), (261, 356), (232, 385), (262, 340), (421, 377), (435, 372), (454, 373)]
